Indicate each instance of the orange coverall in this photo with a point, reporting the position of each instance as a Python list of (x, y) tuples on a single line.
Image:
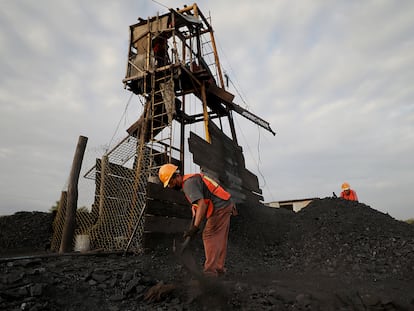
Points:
[(349, 195), (216, 229)]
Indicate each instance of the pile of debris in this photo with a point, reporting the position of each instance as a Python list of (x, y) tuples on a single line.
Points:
[(332, 255), (25, 233), (339, 236)]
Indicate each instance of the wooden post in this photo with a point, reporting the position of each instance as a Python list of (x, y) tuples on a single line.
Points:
[(70, 219), (58, 222), (104, 164), (205, 112)]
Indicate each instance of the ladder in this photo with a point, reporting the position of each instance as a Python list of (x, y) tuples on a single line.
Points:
[(154, 147), (162, 102), (209, 57)]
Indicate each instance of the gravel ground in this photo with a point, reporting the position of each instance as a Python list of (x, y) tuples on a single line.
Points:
[(332, 255)]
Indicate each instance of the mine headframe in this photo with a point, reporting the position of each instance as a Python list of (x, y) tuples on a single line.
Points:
[(173, 64), (181, 44), (171, 56)]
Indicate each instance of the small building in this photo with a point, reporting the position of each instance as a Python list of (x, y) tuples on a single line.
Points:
[(292, 205)]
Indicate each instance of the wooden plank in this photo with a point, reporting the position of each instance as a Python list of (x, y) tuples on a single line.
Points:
[(250, 181), (166, 202), (115, 169), (220, 93), (160, 208), (162, 240), (203, 153), (223, 159), (226, 144), (158, 192), (252, 199), (166, 224), (116, 186), (232, 172), (237, 196)]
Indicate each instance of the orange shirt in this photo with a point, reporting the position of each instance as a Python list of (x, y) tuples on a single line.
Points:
[(352, 196)]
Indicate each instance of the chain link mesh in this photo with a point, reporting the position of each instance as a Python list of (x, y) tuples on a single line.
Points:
[(115, 221)]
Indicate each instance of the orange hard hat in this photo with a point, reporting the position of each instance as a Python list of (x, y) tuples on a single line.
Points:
[(345, 186), (165, 173)]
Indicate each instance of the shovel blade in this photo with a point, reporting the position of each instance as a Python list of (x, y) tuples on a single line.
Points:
[(185, 257)]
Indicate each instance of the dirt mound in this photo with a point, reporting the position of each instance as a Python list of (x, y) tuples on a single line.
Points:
[(348, 237), (25, 232), (332, 255)]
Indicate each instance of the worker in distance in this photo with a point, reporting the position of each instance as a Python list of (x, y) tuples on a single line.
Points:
[(347, 193)]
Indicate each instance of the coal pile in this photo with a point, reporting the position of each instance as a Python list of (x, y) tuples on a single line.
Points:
[(25, 232), (339, 236), (332, 255)]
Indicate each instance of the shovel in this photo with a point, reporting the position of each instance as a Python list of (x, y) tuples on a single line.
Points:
[(185, 257), (208, 287)]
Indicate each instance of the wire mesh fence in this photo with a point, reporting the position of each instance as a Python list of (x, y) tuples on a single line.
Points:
[(114, 221)]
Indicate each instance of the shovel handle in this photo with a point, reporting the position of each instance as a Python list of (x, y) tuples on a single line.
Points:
[(185, 244), (187, 239)]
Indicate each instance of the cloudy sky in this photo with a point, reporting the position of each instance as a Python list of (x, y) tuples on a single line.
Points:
[(335, 79)]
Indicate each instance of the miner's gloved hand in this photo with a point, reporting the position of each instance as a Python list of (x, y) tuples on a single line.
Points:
[(191, 232)]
